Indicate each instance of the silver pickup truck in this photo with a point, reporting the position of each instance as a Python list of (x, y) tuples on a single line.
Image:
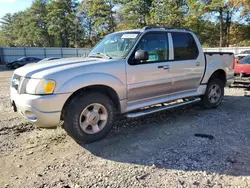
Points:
[(134, 72)]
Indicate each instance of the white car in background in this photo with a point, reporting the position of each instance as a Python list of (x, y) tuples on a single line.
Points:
[(245, 52), (48, 59)]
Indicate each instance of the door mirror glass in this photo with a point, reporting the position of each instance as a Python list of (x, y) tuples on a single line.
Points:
[(141, 55)]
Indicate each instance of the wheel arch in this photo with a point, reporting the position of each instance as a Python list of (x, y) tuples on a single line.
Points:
[(219, 74), (103, 89)]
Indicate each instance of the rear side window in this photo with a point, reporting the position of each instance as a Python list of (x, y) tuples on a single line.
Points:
[(185, 47)]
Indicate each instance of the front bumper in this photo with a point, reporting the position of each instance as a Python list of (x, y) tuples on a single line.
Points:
[(43, 110)]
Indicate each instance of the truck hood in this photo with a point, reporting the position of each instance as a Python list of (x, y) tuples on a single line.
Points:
[(38, 70)]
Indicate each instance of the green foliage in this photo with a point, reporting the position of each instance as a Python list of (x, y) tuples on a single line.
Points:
[(134, 13), (68, 23), (98, 18), (62, 22), (6, 36), (45, 23), (32, 28), (168, 12)]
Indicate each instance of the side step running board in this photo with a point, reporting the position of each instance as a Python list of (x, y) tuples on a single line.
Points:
[(161, 108)]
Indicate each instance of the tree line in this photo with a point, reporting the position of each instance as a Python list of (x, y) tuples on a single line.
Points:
[(73, 23)]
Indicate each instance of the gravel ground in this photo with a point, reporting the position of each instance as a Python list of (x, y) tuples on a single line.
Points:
[(159, 150)]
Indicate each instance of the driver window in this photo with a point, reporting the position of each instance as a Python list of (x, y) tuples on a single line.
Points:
[(156, 44)]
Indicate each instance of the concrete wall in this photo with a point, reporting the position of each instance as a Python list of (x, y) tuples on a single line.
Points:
[(13, 53)]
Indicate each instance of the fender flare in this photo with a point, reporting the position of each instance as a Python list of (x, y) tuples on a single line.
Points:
[(212, 68)]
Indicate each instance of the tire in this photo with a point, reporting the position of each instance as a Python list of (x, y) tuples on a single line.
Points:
[(213, 99), (16, 66), (80, 110)]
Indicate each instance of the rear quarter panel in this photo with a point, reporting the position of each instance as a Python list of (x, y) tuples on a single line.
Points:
[(218, 61)]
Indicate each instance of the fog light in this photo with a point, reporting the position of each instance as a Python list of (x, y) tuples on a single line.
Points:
[(30, 115)]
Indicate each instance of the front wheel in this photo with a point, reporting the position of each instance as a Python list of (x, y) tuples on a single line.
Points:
[(214, 94), (89, 117)]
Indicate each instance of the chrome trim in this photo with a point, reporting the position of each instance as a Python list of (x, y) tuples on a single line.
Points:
[(171, 47)]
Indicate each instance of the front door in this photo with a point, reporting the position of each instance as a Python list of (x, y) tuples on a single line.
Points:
[(148, 80)]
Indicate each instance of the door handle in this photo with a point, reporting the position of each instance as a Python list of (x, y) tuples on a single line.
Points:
[(165, 67), (197, 63)]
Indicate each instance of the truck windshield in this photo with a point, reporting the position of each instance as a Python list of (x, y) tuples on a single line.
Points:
[(115, 45)]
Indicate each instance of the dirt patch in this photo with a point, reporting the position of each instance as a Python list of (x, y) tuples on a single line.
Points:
[(184, 147)]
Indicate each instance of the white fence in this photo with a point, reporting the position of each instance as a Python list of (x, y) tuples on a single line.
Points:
[(13, 53), (235, 50)]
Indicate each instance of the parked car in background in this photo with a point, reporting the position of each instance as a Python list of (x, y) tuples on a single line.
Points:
[(238, 57), (242, 72), (48, 59), (22, 61), (245, 52), (135, 72), (242, 68)]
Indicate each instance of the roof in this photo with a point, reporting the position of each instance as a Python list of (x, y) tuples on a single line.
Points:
[(156, 28)]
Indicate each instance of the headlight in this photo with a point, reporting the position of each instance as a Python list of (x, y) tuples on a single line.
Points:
[(40, 86)]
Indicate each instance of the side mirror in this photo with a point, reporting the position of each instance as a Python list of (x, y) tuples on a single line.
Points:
[(141, 55)]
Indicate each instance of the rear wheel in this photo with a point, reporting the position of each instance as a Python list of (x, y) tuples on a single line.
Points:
[(214, 94), (89, 117)]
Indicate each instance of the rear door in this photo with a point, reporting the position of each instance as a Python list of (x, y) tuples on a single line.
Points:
[(188, 63), (148, 80)]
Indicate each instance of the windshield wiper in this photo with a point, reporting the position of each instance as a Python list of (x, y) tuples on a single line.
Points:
[(100, 55)]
